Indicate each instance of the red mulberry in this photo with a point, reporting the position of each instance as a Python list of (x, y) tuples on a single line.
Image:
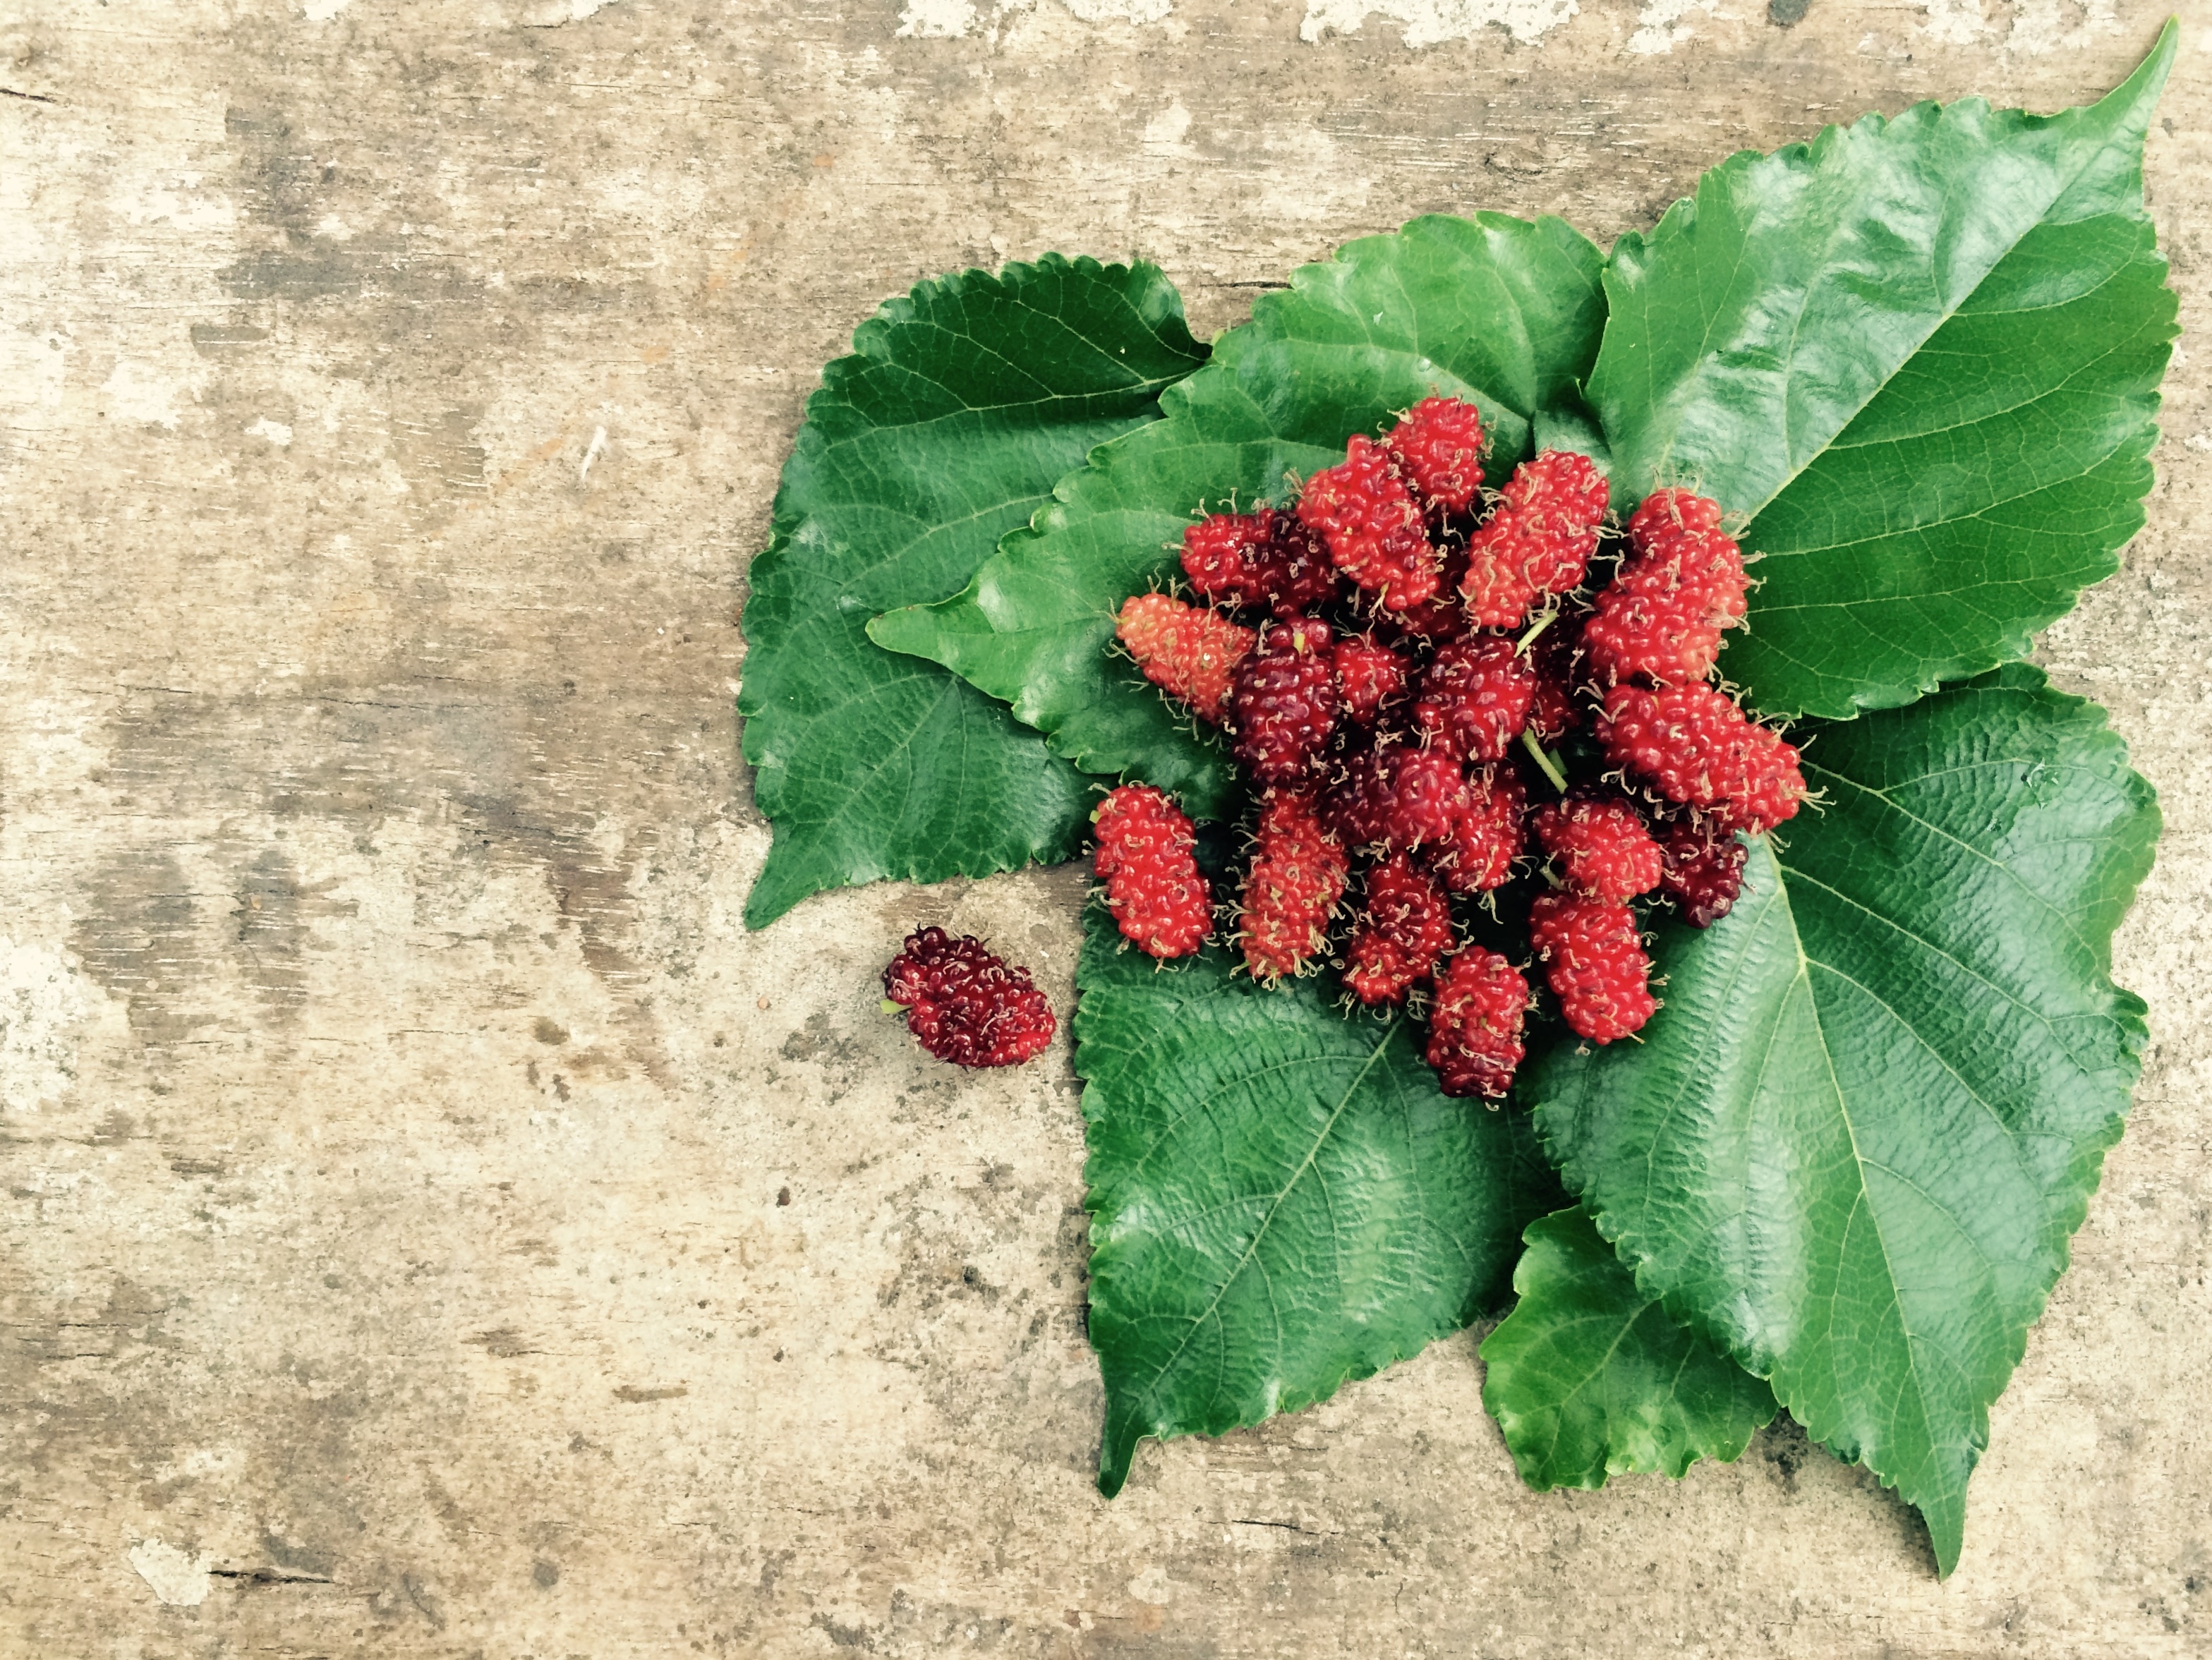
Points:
[(1372, 525), (1475, 1027), (1602, 847), (1296, 877), (966, 1005), (1538, 542), (1488, 835), (1699, 749), (1595, 963), (1283, 703), (1438, 448), (1266, 560), (1475, 697), (1423, 797), (1187, 653), (1405, 928), (1368, 675), (1154, 888), (1669, 513), (1662, 615), (1705, 872)]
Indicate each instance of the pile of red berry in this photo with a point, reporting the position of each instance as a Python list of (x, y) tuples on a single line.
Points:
[(1395, 661)]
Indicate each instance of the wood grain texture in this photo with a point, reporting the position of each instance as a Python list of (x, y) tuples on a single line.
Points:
[(432, 1226)]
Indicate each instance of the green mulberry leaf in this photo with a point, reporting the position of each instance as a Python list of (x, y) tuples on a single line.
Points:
[(1921, 356), (1280, 1198), (1853, 1145), (960, 405), (1499, 310), (1588, 1376)]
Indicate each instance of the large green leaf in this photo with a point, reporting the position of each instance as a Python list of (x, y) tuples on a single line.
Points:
[(1922, 357), (960, 405), (1588, 1376), (1281, 1199), (1855, 1142), (1499, 310)]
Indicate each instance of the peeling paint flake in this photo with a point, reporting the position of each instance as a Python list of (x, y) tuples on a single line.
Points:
[(1431, 22), (2033, 27), (935, 19), (178, 1578), (43, 999), (1661, 24)]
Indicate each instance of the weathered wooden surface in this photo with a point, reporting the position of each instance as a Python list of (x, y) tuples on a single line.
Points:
[(432, 1227)]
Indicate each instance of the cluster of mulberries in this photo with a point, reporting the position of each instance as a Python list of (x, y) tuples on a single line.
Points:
[(1472, 720)]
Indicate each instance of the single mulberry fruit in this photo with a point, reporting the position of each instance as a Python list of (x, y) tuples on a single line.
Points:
[(1296, 876), (1423, 795), (1404, 928), (965, 1004), (1187, 653), (1221, 556), (1662, 615), (1438, 448), (1265, 559), (1539, 540), (1475, 696), (1668, 513), (1704, 872), (1372, 525), (1700, 750), (1354, 806), (1602, 847), (1475, 1027), (1283, 703), (1595, 963), (1439, 618), (1368, 675), (1488, 837), (1154, 888)]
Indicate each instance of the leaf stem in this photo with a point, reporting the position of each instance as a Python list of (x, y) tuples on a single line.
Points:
[(1550, 766), (1521, 646)]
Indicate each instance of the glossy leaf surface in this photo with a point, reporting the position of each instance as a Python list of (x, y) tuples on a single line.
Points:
[(1854, 1144), (1921, 356), (1280, 1198), (1499, 310), (1588, 1377), (960, 405)]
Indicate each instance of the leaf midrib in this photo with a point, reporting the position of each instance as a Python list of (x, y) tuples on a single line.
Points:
[(1152, 1390), (1795, 470)]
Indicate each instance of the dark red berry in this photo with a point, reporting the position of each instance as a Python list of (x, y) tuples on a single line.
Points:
[(965, 1004), (1283, 703), (1475, 696), (1704, 872)]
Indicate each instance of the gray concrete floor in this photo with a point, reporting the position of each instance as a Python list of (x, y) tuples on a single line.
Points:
[(431, 1224)]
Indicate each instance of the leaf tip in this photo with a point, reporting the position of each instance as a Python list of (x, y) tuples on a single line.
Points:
[(1117, 1445)]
